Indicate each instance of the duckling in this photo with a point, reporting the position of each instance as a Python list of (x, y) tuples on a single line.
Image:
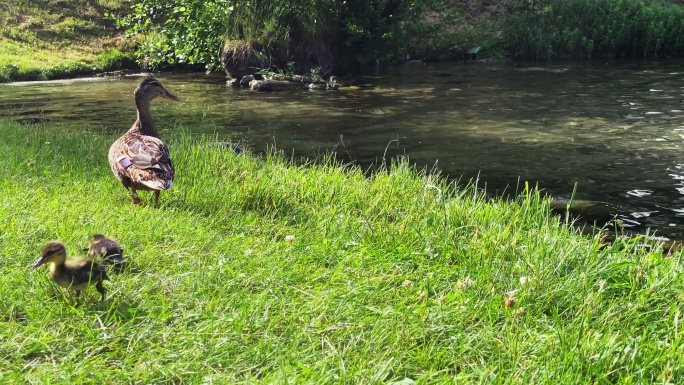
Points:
[(76, 274), (107, 249)]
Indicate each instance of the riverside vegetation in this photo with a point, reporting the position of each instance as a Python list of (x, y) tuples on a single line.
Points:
[(50, 39), (263, 269), (55, 39), (337, 36)]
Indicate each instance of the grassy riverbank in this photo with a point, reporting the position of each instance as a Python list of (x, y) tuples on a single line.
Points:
[(388, 277), (54, 39)]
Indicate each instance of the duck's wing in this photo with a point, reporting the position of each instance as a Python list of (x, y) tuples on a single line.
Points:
[(107, 249), (84, 270), (145, 160), (104, 248)]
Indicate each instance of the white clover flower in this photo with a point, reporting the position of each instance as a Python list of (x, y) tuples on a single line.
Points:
[(464, 283)]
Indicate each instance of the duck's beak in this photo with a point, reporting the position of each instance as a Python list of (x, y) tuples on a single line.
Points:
[(167, 95), (39, 262)]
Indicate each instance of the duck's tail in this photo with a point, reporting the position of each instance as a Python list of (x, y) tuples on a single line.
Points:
[(157, 184)]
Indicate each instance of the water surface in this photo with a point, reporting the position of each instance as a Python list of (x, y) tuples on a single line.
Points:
[(614, 130)]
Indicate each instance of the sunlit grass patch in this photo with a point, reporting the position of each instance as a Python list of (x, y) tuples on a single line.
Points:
[(264, 270), (51, 39)]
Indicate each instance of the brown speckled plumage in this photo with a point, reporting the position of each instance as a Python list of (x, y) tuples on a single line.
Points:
[(106, 249), (139, 159)]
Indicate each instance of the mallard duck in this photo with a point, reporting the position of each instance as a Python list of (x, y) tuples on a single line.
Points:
[(106, 249), (76, 274), (139, 159)]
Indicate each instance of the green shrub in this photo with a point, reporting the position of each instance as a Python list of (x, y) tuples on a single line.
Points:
[(337, 36), (8, 72), (332, 34), (325, 33), (178, 32), (113, 58)]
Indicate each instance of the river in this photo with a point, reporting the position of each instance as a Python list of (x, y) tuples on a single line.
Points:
[(613, 131)]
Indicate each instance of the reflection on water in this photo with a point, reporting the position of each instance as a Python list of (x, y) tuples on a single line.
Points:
[(614, 129)]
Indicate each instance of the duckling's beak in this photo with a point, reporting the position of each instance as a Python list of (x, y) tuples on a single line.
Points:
[(40, 262), (166, 94)]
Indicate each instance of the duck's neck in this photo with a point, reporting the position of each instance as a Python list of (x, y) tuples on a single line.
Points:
[(144, 124), (57, 266)]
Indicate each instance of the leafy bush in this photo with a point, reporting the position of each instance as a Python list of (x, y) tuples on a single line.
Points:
[(338, 35), (178, 32), (8, 72), (325, 33), (113, 58)]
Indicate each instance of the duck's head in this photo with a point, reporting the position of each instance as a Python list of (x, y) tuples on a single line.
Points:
[(150, 88), (52, 252), (96, 238)]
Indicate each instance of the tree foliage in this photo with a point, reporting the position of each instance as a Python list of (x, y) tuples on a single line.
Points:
[(178, 32)]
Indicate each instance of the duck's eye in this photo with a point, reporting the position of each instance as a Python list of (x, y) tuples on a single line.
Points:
[(49, 253)]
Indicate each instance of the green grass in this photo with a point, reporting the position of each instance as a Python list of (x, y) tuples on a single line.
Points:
[(46, 39), (391, 276), (557, 29)]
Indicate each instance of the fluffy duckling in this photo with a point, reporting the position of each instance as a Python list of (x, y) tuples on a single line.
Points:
[(105, 248), (76, 274)]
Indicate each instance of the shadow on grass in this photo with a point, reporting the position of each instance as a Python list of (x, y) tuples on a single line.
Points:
[(263, 203), (119, 311)]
